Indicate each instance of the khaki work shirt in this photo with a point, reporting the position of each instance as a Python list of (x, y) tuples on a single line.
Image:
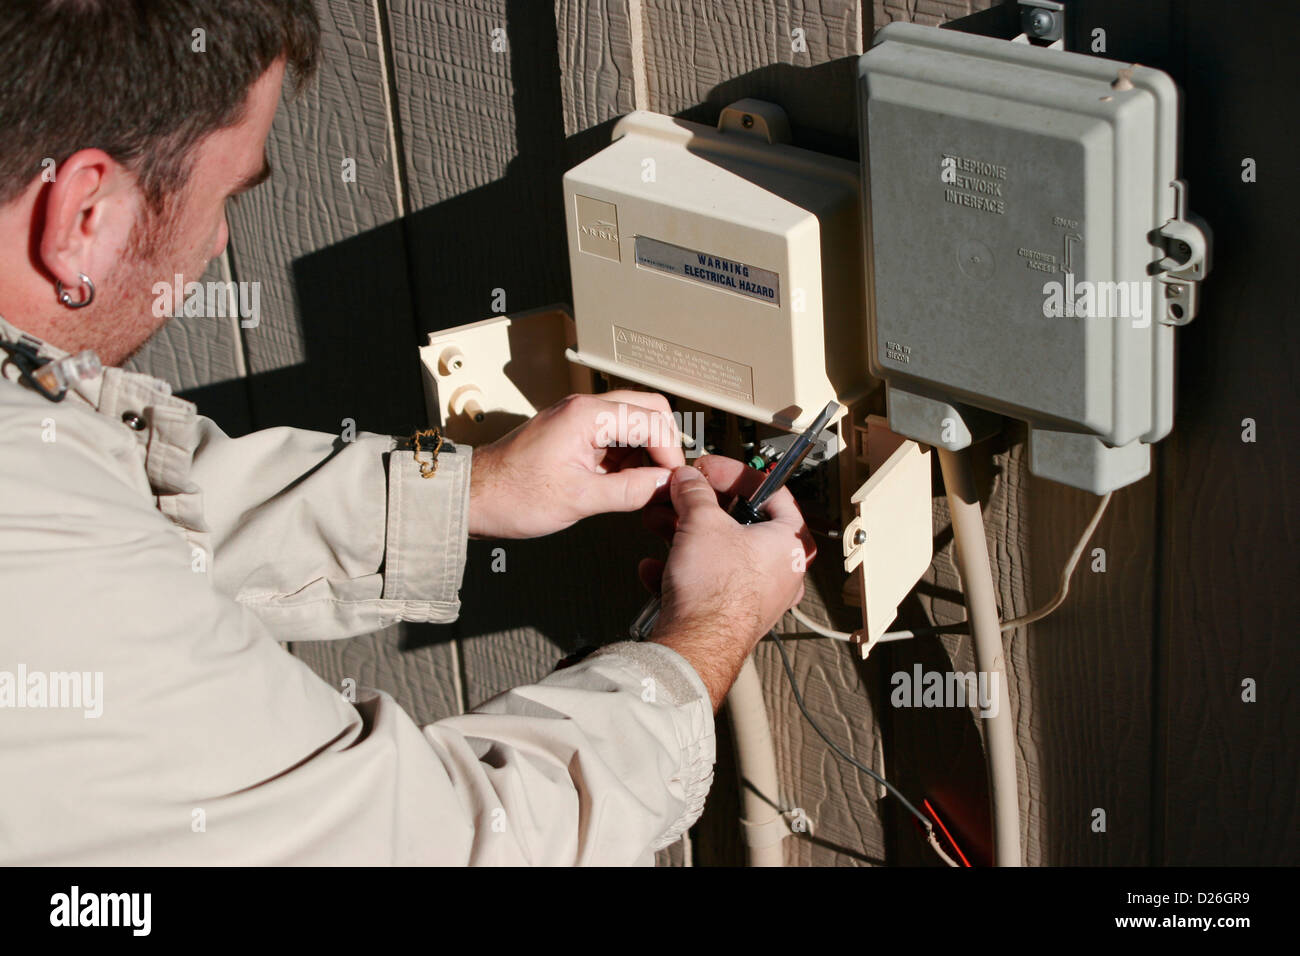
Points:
[(164, 563)]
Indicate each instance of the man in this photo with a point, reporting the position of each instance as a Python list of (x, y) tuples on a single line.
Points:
[(149, 564)]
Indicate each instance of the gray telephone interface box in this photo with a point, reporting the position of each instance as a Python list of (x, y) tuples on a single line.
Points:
[(1028, 246)]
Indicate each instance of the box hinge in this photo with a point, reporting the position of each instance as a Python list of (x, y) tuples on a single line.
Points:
[(1186, 241)]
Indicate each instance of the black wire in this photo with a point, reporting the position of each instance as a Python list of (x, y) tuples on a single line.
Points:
[(798, 698)]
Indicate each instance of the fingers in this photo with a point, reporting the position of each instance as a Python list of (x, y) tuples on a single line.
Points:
[(651, 400), (782, 509), (809, 547), (628, 419), (651, 573), (615, 459), (692, 495), (660, 519), (783, 513), (730, 477), (628, 490)]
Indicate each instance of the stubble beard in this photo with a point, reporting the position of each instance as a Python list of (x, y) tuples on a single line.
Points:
[(126, 321)]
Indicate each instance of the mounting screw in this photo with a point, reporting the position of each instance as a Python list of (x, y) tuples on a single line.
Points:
[(859, 538), (1040, 23), (747, 121), (1042, 20), (1175, 290)]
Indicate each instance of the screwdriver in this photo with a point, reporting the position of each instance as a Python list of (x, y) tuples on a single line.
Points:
[(746, 511)]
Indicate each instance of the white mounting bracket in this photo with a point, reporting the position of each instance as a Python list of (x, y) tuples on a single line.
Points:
[(757, 118), (484, 378)]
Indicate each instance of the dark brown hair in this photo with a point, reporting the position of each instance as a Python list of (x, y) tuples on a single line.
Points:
[(124, 76)]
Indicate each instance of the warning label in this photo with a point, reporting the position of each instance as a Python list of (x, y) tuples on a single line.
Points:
[(688, 365), (714, 270)]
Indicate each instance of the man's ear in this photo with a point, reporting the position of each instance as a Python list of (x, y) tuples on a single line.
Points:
[(89, 211)]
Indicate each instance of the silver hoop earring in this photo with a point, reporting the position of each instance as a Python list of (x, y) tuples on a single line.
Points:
[(66, 297)]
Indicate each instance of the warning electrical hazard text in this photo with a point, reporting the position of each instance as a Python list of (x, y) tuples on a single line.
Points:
[(709, 269)]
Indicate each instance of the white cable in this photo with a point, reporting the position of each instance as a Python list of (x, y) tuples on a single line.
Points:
[(933, 840), (816, 628), (970, 551), (751, 735), (1039, 613), (957, 474), (1059, 597)]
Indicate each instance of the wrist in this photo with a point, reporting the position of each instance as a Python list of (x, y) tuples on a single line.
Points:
[(481, 466), (715, 651)]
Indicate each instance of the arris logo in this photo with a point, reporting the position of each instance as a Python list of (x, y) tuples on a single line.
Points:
[(600, 229), (597, 227)]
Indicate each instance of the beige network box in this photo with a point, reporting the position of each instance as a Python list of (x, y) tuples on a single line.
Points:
[(717, 265)]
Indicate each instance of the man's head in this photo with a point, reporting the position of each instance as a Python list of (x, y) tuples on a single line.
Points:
[(124, 128)]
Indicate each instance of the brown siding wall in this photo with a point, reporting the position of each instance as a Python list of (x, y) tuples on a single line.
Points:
[(1128, 699)]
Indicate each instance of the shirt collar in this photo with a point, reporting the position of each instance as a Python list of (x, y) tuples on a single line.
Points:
[(87, 391)]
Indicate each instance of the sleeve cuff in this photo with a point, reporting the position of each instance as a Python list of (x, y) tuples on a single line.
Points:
[(428, 535), (677, 684)]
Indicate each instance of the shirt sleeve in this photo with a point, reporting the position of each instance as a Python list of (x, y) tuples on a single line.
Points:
[(325, 538), (183, 733), (602, 763)]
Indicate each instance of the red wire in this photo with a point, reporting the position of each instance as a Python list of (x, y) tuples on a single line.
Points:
[(931, 811)]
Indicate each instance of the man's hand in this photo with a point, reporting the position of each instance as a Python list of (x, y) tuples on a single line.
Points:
[(725, 585), (579, 457)]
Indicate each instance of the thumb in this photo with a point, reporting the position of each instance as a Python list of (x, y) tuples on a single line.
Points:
[(692, 494), (627, 490)]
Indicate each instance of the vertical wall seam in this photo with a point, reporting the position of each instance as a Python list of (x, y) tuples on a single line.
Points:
[(230, 270), (636, 27), (459, 674), (388, 82), (1159, 641), (1161, 612), (459, 683), (232, 310)]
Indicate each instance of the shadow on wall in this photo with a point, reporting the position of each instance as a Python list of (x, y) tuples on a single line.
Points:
[(820, 100), (364, 305), (367, 303), (575, 588)]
